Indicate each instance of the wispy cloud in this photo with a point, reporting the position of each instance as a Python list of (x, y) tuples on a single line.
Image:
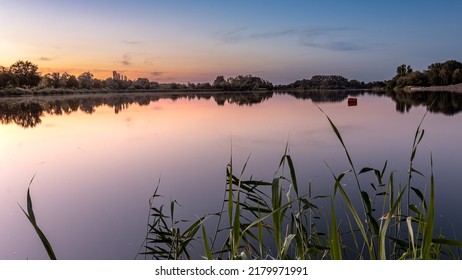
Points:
[(156, 73), (243, 34), (130, 42), (330, 39), (126, 59), (334, 39), (43, 58), (335, 45)]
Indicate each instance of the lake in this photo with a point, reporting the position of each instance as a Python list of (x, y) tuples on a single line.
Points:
[(97, 159)]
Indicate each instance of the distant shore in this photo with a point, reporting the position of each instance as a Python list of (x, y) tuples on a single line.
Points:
[(450, 88)]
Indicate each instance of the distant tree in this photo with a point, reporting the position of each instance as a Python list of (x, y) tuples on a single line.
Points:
[(203, 86), (55, 77), (355, 84), (219, 83), (154, 85), (96, 83), (50, 80), (402, 70), (457, 76), (6, 78), (72, 82), (416, 78), (408, 69), (112, 84), (25, 73), (247, 82), (142, 83), (46, 81), (433, 74), (63, 80), (85, 80)]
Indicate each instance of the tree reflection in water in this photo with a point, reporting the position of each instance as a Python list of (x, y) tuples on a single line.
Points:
[(28, 112)]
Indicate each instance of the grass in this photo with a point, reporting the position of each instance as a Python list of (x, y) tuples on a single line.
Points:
[(279, 219)]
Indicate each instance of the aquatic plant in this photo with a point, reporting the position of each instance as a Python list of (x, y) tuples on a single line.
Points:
[(280, 219)]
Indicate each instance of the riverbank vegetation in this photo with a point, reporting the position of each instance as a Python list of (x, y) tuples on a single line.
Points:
[(437, 74), (376, 217), (23, 78), (280, 219)]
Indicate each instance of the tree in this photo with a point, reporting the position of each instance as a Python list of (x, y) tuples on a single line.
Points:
[(55, 76), (46, 81), (112, 84), (72, 82), (142, 83), (457, 76), (85, 80), (97, 83), (6, 78), (403, 70), (417, 78), (63, 80), (51, 80), (219, 83), (25, 73)]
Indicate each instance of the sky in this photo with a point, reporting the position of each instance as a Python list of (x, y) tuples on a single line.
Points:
[(195, 41)]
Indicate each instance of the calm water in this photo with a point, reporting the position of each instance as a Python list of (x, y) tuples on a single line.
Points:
[(98, 159)]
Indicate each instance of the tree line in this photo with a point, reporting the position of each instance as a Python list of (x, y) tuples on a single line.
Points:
[(329, 82), (25, 75), (437, 74)]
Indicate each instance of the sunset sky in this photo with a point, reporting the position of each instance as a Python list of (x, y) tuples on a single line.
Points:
[(194, 41)]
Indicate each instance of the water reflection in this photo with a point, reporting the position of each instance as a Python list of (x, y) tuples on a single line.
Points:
[(27, 112), (446, 103), (319, 96)]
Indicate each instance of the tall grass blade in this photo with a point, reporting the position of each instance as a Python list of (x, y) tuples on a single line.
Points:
[(384, 229), (429, 223), (276, 199), (31, 216), (208, 252), (334, 238), (411, 236)]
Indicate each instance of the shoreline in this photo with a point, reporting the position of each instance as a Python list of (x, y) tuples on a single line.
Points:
[(457, 88)]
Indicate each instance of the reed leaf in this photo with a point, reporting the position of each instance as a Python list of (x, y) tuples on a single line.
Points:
[(334, 238), (31, 217), (384, 229), (208, 252), (429, 223), (411, 236)]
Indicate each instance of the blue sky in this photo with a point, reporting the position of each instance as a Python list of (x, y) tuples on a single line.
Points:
[(194, 41)]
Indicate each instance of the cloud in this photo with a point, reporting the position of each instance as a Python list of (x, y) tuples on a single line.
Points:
[(242, 34), (156, 73), (333, 45), (329, 38), (126, 59), (231, 37), (43, 58), (129, 42)]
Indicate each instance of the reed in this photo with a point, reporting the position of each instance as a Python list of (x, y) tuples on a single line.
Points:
[(280, 219), (277, 220)]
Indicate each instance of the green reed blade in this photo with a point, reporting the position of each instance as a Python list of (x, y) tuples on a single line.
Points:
[(334, 238), (208, 252), (429, 223), (421, 196), (383, 230), (31, 217), (449, 242)]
